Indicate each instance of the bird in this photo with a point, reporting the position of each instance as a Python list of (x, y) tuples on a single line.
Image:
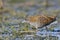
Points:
[(40, 21)]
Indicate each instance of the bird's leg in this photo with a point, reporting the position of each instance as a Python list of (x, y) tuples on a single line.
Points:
[(36, 29), (46, 28)]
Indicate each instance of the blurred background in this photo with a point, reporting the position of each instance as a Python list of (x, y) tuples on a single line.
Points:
[(13, 12)]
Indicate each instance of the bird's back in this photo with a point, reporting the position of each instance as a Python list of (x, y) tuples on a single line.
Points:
[(41, 20)]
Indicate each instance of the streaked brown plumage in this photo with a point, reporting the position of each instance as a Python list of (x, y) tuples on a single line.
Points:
[(40, 20)]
